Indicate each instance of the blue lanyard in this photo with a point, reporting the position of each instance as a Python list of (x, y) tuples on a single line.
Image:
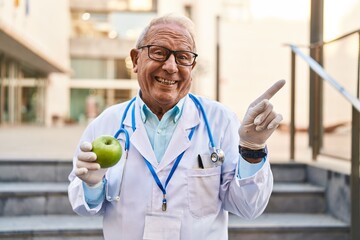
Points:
[(156, 178)]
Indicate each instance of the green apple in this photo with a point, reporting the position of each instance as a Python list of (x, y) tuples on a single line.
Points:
[(107, 149)]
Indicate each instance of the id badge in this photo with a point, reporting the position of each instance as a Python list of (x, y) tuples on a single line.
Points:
[(162, 226)]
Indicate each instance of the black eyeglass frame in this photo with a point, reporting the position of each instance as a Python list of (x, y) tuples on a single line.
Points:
[(169, 54)]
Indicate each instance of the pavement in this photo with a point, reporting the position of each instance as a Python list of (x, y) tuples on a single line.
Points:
[(39, 142), (59, 143)]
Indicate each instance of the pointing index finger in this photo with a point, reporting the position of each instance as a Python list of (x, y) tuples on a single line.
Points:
[(270, 92)]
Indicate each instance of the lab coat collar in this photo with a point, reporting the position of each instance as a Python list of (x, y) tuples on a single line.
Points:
[(178, 143), (180, 139), (139, 138)]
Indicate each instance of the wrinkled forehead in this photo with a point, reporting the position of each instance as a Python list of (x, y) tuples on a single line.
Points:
[(171, 33)]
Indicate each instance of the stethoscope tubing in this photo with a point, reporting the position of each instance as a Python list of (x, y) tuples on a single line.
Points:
[(199, 105)]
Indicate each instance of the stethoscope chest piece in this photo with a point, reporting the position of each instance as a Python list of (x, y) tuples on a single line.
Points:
[(217, 155)]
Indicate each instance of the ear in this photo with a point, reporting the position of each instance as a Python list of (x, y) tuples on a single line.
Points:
[(134, 54)]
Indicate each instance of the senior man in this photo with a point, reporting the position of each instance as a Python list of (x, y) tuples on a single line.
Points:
[(189, 159)]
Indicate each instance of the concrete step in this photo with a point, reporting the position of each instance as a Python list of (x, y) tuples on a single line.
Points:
[(51, 227), (58, 171), (31, 198), (34, 170), (267, 226), (289, 172), (297, 198), (291, 226)]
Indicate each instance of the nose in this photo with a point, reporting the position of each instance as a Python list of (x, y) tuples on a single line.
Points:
[(170, 64)]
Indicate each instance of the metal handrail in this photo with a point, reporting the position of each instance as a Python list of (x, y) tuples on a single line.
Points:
[(327, 77), (323, 43), (355, 125)]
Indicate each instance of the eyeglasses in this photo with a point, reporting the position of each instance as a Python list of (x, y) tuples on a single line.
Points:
[(161, 54)]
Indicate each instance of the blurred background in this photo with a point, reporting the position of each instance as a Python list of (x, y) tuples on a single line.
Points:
[(62, 62)]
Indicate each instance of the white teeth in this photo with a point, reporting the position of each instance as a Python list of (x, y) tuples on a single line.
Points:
[(164, 81)]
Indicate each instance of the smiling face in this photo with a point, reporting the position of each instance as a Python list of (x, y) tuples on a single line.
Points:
[(163, 84)]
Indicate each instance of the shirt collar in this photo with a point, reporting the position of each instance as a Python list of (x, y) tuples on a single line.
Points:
[(145, 110)]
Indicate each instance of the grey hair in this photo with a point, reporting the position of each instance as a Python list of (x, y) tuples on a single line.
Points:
[(170, 18)]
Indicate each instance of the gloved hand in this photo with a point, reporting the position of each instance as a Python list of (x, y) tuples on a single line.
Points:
[(86, 168), (260, 120)]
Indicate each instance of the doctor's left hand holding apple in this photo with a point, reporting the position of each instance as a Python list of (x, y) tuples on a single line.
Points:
[(94, 159)]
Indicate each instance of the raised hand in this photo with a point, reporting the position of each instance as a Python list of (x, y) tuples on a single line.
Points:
[(260, 120)]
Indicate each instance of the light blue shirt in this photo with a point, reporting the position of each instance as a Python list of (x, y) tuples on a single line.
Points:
[(160, 133)]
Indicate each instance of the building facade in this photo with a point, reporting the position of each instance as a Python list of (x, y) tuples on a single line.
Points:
[(65, 61), (34, 61), (102, 34)]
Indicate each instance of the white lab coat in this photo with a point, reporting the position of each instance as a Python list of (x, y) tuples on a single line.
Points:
[(198, 200)]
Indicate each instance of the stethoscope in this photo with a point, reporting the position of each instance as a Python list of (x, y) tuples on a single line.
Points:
[(217, 155)]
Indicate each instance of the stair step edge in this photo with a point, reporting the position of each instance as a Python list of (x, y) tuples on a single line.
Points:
[(288, 221), (56, 187), (49, 223), (14, 188), (297, 188)]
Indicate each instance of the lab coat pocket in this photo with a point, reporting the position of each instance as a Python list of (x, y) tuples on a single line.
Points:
[(203, 191), (162, 226)]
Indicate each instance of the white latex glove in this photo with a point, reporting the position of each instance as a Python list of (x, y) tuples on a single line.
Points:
[(86, 168), (260, 120)]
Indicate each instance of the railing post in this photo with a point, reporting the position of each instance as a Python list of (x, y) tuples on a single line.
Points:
[(355, 199), (217, 29), (317, 130), (315, 84), (355, 154), (292, 107)]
